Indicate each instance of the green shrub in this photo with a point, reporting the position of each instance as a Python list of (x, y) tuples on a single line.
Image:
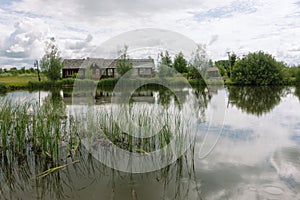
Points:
[(297, 80), (2, 87), (108, 82), (257, 69)]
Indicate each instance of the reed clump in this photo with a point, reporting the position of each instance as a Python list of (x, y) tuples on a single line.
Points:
[(29, 128)]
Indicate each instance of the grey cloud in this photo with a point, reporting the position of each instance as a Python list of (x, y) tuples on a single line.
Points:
[(294, 49), (21, 42), (16, 62), (95, 8), (134, 6), (80, 44), (213, 39)]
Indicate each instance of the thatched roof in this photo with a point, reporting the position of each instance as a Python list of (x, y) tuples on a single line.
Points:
[(105, 63)]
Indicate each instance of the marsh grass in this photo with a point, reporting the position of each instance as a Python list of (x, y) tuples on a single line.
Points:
[(138, 128), (28, 128), (39, 140)]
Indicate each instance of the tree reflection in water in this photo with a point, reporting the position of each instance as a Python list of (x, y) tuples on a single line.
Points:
[(256, 100), (297, 91)]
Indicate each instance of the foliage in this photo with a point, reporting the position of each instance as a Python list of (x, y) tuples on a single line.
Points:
[(165, 65), (257, 69), (2, 87), (50, 84), (232, 60), (226, 66), (223, 64), (289, 74), (165, 71), (51, 63), (123, 64), (298, 76), (255, 100), (193, 73), (222, 70), (15, 71), (165, 59), (199, 59), (107, 82), (180, 64)]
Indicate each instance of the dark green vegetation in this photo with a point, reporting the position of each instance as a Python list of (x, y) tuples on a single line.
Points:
[(256, 100), (2, 87), (124, 64), (257, 68), (51, 63)]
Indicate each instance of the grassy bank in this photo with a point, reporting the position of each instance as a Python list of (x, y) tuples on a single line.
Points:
[(20, 81), (30, 82)]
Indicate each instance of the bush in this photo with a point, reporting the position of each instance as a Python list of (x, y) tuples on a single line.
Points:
[(298, 76), (257, 69), (108, 82), (51, 84), (3, 87)]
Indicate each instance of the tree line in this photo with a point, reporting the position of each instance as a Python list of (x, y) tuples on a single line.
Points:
[(257, 68)]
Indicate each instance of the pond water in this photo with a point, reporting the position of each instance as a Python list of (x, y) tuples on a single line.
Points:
[(247, 146)]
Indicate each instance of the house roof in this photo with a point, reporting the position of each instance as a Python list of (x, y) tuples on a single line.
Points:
[(213, 69), (72, 63), (105, 63)]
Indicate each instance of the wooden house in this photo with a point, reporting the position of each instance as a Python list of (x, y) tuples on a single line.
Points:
[(99, 68)]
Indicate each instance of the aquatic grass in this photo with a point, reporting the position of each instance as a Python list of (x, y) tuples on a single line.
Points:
[(54, 169), (154, 127), (28, 127)]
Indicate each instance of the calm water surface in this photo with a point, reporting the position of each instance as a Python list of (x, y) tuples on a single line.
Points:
[(256, 155)]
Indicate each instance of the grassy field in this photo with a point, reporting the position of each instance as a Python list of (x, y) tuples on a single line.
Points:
[(19, 80)]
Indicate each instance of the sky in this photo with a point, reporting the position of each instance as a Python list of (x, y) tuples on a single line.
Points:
[(80, 26)]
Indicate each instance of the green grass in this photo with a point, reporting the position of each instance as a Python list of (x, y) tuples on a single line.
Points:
[(19, 81)]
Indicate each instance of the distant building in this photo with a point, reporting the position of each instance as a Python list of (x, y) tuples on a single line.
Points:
[(213, 73), (104, 68)]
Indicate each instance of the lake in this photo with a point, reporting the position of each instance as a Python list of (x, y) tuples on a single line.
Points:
[(234, 143)]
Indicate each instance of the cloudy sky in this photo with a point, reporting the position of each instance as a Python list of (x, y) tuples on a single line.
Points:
[(80, 26)]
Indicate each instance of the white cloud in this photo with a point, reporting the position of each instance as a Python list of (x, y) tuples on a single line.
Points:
[(236, 25)]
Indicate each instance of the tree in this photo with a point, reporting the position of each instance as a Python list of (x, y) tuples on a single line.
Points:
[(51, 63), (198, 63), (199, 59), (164, 69), (232, 60), (223, 66), (166, 59), (180, 64), (298, 75), (123, 64), (257, 69)]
